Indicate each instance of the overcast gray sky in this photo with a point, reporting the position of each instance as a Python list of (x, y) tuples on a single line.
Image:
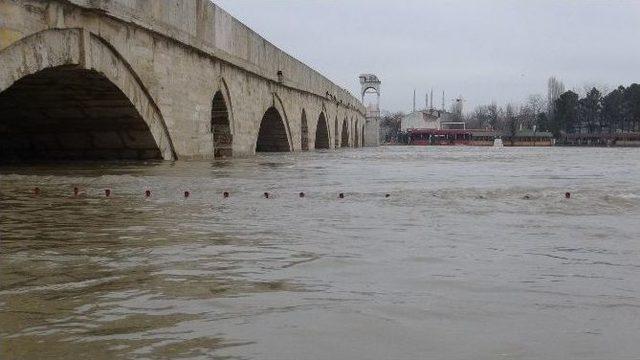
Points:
[(484, 50)]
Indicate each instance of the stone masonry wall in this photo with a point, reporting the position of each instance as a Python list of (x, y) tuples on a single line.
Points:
[(176, 56)]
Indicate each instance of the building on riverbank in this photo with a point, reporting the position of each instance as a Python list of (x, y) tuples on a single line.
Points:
[(477, 137), (530, 138), (430, 119), (616, 139)]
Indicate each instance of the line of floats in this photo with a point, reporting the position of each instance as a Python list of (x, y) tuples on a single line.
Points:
[(147, 194)]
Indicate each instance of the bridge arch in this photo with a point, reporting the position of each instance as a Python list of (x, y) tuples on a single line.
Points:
[(304, 132), (336, 134), (68, 94), (344, 141), (356, 136), (222, 122), (323, 140), (375, 89), (274, 134)]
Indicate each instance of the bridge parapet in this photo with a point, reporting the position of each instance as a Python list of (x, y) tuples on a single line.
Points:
[(204, 26)]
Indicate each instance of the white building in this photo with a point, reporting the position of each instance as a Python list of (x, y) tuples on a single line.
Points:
[(429, 119)]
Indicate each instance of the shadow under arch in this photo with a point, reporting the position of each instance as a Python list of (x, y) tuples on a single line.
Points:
[(356, 136), (222, 121), (100, 109), (274, 134), (344, 141), (304, 132), (336, 134), (323, 140)]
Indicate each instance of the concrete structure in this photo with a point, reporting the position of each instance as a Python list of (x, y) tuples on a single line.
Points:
[(171, 79), (370, 84), (429, 119), (422, 119)]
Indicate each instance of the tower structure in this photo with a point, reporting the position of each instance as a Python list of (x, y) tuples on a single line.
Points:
[(370, 84)]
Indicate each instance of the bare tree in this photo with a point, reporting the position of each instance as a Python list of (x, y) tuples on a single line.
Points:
[(510, 120), (528, 113), (555, 88), (526, 116), (479, 118), (390, 125), (494, 116), (536, 103)]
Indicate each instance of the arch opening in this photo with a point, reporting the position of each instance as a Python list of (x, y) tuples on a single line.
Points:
[(356, 137), (345, 134), (336, 135), (70, 113), (322, 134), (272, 136), (304, 132), (221, 128)]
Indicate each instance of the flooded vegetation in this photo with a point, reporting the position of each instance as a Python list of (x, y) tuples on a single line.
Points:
[(450, 252)]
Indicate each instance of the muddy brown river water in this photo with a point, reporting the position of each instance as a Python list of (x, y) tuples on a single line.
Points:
[(475, 255)]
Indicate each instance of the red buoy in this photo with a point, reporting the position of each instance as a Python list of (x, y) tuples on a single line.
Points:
[(107, 192), (147, 193), (567, 195), (301, 195), (76, 191), (341, 196), (225, 195), (186, 194)]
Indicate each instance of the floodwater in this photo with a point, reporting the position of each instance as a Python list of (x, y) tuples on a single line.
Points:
[(475, 255)]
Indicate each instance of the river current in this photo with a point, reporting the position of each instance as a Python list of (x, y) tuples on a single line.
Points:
[(475, 254)]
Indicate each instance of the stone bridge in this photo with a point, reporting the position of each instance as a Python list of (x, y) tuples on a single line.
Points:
[(147, 79)]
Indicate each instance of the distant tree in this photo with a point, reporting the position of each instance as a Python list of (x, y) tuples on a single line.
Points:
[(542, 122), (493, 116), (528, 112), (612, 112), (536, 103), (565, 110), (555, 88), (589, 109), (480, 118), (526, 116), (632, 107), (568, 112), (472, 121), (510, 121), (391, 125)]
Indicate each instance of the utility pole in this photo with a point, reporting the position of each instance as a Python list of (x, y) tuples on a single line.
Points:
[(443, 109)]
